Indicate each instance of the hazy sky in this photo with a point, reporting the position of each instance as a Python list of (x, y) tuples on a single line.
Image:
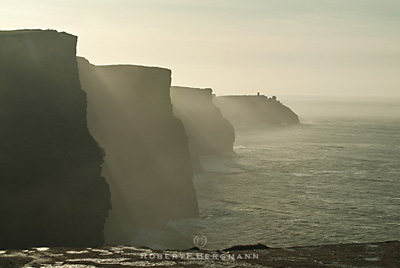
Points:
[(280, 47)]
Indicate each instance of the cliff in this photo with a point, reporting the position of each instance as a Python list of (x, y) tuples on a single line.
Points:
[(255, 110), (208, 131), (51, 189), (147, 163)]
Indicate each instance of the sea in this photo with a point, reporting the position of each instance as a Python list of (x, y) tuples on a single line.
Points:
[(334, 178)]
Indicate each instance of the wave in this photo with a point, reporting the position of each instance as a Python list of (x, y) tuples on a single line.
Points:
[(220, 165)]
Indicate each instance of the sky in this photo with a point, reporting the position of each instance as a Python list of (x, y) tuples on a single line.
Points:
[(275, 47)]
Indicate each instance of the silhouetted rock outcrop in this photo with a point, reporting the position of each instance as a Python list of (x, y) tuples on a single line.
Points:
[(51, 189), (247, 247), (208, 131), (255, 110), (147, 163)]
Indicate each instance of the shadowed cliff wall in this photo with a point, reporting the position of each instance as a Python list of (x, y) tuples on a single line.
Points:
[(147, 159), (208, 131), (51, 189), (255, 111)]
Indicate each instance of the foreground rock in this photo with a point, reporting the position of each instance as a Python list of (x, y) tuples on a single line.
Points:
[(51, 189), (384, 254), (208, 131), (147, 161), (245, 111)]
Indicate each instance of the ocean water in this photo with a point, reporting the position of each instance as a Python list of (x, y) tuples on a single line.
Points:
[(335, 178)]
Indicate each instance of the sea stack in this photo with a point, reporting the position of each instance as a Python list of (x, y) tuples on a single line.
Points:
[(255, 110), (147, 161), (208, 131), (51, 189)]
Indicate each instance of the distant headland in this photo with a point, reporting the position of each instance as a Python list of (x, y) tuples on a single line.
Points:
[(255, 110)]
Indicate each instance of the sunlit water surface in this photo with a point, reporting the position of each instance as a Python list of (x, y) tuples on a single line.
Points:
[(328, 182)]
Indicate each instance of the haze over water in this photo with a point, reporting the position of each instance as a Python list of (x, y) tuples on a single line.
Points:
[(332, 179)]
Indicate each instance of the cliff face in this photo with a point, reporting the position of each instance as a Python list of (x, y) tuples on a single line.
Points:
[(147, 159), (208, 131), (255, 111), (51, 189)]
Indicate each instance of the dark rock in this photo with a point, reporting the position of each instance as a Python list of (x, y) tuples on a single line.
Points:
[(51, 189), (147, 162), (255, 111), (247, 247)]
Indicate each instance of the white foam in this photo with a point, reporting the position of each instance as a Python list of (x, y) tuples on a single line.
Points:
[(372, 259), (42, 249), (77, 252)]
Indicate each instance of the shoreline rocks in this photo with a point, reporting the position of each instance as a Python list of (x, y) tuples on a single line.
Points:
[(378, 254)]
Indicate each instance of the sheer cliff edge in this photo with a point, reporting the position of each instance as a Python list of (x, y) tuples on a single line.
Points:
[(208, 131), (147, 161), (51, 189)]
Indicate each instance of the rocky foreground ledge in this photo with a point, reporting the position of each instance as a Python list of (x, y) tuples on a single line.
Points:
[(382, 254)]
